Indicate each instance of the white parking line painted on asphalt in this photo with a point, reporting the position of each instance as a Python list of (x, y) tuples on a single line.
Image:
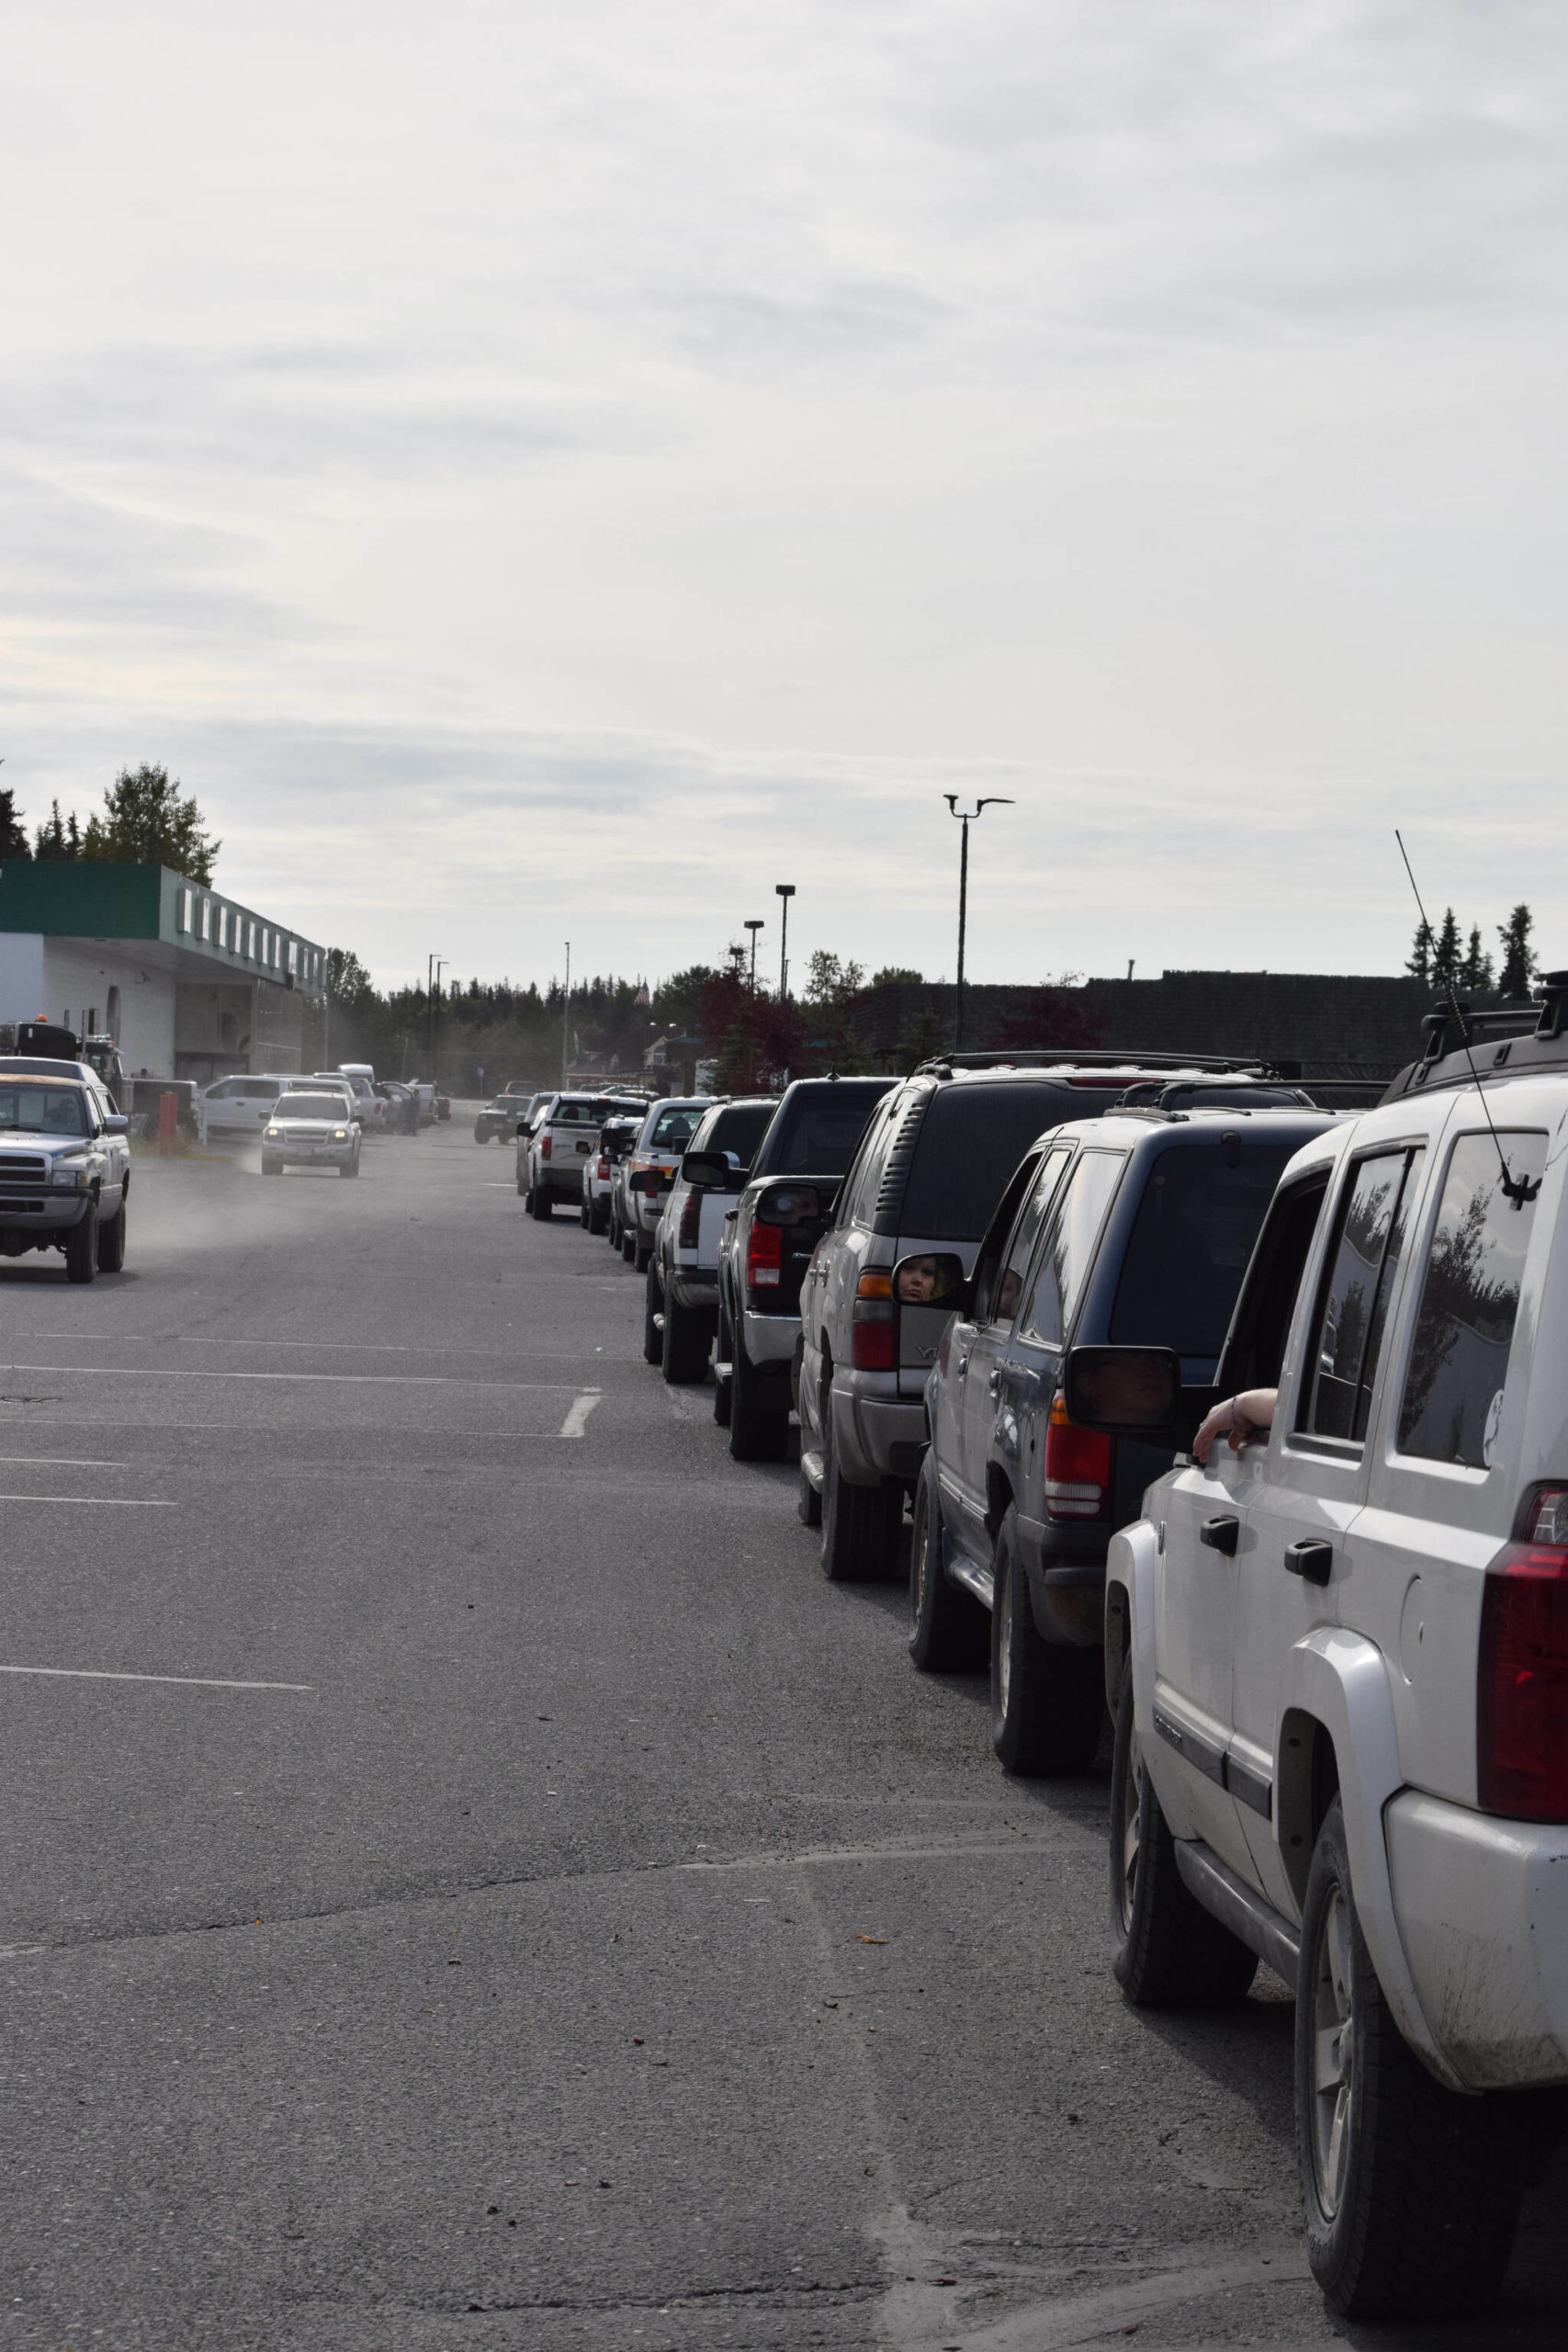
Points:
[(56, 1461), (198, 1681), (104, 1502), (576, 1421), (349, 1379)]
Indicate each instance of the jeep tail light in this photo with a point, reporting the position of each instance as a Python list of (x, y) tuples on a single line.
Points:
[(544, 1146), (873, 1331), (691, 1221), (1521, 1713), (1077, 1469), (604, 1167), (764, 1257)]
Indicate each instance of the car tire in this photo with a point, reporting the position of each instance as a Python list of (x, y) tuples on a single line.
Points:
[(628, 1246), (481, 1133), (949, 1631), (643, 1256), (860, 1524), (652, 1305), (596, 1218), (687, 1342), (1411, 2191), (541, 1204), (1047, 1700), (82, 1246), (1169, 1954), (582, 1214), (111, 1241), (808, 1500), (759, 1423), (349, 1167), (271, 1167)]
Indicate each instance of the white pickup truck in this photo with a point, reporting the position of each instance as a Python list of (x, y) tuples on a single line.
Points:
[(1337, 1658), (560, 1134), (681, 1311)]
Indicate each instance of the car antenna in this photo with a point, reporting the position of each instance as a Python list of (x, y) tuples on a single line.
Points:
[(1516, 1189)]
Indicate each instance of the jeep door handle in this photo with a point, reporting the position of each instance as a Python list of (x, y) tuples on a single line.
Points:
[(1221, 1534), (1312, 1558)]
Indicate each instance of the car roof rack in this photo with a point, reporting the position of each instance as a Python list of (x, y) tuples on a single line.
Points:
[(1104, 1058), (1240, 1090), (1514, 1040)]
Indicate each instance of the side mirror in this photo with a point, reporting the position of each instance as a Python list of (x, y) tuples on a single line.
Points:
[(1124, 1392), (932, 1279), (710, 1168), (793, 1204), (114, 1124)]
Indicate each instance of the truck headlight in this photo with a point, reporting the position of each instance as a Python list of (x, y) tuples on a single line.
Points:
[(339, 1135), (272, 1134), (73, 1173)]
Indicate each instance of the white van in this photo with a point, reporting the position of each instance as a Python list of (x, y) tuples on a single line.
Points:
[(239, 1107)]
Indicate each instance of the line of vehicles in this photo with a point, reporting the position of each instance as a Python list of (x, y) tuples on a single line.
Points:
[(1004, 1301), (237, 1109)]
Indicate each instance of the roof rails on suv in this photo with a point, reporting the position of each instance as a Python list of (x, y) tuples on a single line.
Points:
[(1241, 1092), (1464, 1046), (1100, 1057)]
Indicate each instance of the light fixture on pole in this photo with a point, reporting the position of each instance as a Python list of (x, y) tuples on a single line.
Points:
[(565, 1018), (966, 817), (786, 890), (754, 925)]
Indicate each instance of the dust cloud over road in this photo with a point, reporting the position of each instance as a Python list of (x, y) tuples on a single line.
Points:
[(470, 1881)]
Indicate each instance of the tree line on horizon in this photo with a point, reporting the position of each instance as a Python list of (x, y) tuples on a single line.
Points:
[(145, 820)]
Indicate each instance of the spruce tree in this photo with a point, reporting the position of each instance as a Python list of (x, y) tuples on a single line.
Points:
[(13, 832), (1448, 957), (1519, 959), (1419, 964), (1476, 971)]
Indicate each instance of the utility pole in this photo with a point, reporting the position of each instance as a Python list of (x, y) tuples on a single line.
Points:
[(966, 817), (785, 891), (566, 1020), (433, 969), (754, 925)]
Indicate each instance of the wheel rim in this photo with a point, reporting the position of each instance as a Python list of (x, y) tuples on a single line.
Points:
[(1004, 1637), (1333, 2054), (1132, 1830)]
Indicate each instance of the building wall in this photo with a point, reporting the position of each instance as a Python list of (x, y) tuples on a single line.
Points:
[(78, 976), (21, 977)]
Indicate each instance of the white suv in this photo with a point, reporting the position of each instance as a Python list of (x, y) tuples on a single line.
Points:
[(1339, 1661)]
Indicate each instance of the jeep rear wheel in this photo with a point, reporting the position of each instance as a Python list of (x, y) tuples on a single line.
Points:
[(1170, 1953), (759, 1410), (1047, 1700), (687, 1338), (1411, 2191), (860, 1524)]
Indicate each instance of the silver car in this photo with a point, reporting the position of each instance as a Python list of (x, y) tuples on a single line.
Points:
[(311, 1131), (64, 1166)]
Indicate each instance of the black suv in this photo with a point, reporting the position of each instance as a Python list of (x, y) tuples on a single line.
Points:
[(1132, 1229)]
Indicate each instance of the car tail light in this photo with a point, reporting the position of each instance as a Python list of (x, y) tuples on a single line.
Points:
[(764, 1257), (1077, 1469), (544, 1146), (1521, 1713), (603, 1170), (873, 1331), (691, 1221)]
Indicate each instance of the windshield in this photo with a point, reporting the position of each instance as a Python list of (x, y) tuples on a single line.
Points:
[(310, 1106), (43, 1111)]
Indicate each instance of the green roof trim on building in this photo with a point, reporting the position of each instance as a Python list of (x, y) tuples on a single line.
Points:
[(86, 898)]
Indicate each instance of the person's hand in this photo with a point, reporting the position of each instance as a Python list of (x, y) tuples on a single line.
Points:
[(1242, 1418)]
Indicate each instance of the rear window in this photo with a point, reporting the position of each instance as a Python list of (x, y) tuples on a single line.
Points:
[(821, 1131), (581, 1112), (971, 1140), (739, 1128), (673, 1129), (1200, 1213)]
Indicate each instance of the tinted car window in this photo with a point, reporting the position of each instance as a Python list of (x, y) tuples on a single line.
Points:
[(1470, 1297), (582, 1112), (1199, 1217), (739, 1128), (823, 1130), (970, 1141), (860, 1199), (1020, 1242), (1069, 1247), (1348, 1338)]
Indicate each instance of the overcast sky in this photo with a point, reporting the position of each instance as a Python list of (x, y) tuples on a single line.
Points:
[(547, 472)]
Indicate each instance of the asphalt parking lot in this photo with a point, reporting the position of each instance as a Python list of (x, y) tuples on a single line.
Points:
[(468, 1881)]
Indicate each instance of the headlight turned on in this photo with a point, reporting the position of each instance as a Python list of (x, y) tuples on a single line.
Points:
[(339, 1135), (272, 1131)]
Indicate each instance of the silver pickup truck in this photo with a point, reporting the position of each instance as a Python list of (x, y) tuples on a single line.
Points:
[(558, 1139), (64, 1166)]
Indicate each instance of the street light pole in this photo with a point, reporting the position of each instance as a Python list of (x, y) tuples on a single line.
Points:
[(565, 1019), (433, 966), (754, 925), (786, 890), (966, 817)]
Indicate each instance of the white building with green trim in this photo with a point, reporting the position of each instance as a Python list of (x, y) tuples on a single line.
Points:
[(190, 983)]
